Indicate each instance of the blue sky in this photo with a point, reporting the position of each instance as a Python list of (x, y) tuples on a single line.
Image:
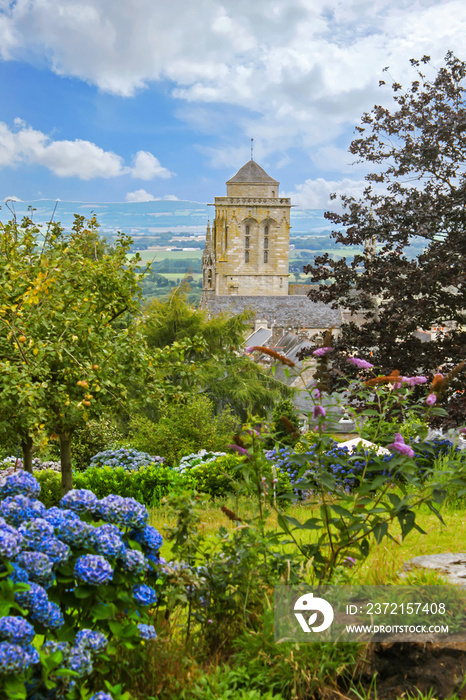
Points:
[(133, 100)]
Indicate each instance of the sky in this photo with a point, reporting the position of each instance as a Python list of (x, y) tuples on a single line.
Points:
[(141, 100)]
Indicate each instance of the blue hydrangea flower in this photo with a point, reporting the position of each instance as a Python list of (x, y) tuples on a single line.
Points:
[(101, 696), (74, 533), (16, 630), (80, 501), (38, 567), (13, 658), (18, 575), (35, 598), (93, 569), (133, 560), (58, 516), (147, 631), (17, 509), (20, 483), (144, 595), (11, 541), (123, 511), (51, 646), (107, 541), (35, 531), (50, 617), (58, 552), (91, 640), (33, 654), (149, 538), (80, 660)]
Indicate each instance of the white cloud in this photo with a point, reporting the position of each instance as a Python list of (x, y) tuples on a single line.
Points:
[(12, 198), (78, 158), (146, 167), (315, 194), (303, 69), (140, 196)]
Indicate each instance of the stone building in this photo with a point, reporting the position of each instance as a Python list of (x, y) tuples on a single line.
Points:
[(245, 263)]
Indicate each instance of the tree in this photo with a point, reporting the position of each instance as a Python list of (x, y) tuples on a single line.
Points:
[(416, 190), (213, 364), (69, 346)]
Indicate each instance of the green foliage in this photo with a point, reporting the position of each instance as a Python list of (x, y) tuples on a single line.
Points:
[(183, 428), (228, 378), (285, 424), (68, 347), (217, 478), (226, 683), (147, 485), (50, 487), (91, 438), (289, 669)]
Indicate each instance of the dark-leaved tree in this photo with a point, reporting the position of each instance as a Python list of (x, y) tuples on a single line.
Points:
[(416, 191)]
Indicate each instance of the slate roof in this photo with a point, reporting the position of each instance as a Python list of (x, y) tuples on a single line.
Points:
[(252, 173), (287, 311), (259, 337)]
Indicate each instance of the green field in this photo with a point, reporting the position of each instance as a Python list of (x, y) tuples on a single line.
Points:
[(149, 255)]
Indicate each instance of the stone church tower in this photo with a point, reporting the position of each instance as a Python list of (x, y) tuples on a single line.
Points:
[(246, 251)]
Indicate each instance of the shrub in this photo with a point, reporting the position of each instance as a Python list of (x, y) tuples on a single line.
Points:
[(50, 487), (126, 457), (216, 476), (148, 485), (182, 429), (86, 588), (197, 458)]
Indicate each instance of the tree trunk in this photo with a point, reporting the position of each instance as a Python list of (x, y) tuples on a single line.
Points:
[(65, 461), (26, 447)]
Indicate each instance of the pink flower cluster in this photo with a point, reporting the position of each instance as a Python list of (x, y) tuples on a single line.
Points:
[(400, 446)]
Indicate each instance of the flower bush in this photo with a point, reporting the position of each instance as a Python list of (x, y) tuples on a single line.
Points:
[(76, 584), (197, 458), (125, 457)]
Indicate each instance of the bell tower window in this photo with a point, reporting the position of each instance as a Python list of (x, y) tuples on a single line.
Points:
[(246, 256), (247, 242), (266, 256), (266, 231)]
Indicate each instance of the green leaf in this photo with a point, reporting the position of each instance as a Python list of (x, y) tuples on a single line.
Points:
[(380, 530)]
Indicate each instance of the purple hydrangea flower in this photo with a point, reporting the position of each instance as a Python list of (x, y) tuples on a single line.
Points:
[(144, 595), (401, 447), (101, 696), (133, 560), (107, 541), (318, 412), (91, 640), (11, 541), (431, 399), (80, 501), (123, 511), (147, 631), (93, 569), (16, 630), (20, 483), (149, 538), (321, 352), (358, 362)]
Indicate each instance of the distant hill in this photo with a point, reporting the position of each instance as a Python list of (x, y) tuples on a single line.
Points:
[(150, 218)]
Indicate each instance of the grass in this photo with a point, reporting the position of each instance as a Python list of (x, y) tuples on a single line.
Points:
[(384, 560)]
